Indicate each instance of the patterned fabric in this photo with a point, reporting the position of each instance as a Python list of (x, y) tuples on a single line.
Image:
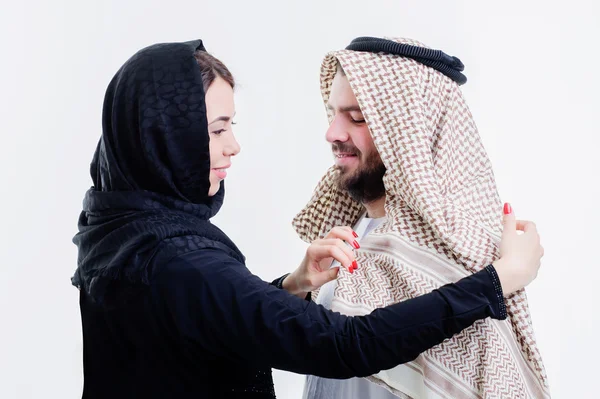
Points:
[(436, 59), (352, 388), (443, 223)]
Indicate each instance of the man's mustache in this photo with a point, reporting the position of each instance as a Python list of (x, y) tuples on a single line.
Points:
[(345, 148)]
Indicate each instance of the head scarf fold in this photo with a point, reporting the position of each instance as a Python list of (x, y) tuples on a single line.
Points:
[(443, 222), (150, 171)]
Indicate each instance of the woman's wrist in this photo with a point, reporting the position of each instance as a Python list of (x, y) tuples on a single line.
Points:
[(291, 285), (508, 281)]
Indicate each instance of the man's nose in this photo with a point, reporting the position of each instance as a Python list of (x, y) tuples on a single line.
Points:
[(336, 131)]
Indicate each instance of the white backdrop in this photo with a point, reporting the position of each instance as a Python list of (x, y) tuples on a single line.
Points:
[(533, 89)]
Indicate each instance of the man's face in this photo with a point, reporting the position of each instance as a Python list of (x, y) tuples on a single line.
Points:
[(361, 168)]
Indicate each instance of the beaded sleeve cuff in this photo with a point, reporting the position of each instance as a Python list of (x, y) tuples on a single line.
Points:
[(498, 288), (279, 282)]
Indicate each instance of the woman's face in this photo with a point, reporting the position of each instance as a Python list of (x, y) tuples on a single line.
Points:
[(220, 110)]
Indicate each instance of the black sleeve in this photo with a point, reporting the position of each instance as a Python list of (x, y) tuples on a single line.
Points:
[(221, 308)]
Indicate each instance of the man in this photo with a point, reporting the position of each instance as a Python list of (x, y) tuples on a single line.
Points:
[(413, 178)]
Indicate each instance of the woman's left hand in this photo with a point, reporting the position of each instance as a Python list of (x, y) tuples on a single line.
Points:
[(315, 270)]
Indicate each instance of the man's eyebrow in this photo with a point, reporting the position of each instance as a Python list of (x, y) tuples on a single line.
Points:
[(349, 108)]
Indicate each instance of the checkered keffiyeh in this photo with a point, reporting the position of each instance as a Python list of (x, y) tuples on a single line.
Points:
[(443, 223)]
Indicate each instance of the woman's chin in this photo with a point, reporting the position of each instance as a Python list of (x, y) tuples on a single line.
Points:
[(214, 188)]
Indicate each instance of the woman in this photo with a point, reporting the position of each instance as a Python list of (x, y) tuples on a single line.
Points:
[(168, 307)]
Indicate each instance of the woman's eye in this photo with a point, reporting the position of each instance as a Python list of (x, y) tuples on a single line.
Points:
[(357, 120), (218, 132)]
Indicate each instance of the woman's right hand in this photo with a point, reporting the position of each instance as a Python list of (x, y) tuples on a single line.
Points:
[(315, 270), (520, 254)]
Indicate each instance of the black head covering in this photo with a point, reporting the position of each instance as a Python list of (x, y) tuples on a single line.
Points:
[(150, 170)]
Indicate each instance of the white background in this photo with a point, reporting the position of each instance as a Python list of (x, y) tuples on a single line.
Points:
[(533, 89)]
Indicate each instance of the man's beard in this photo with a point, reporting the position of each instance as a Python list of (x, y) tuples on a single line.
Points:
[(365, 184)]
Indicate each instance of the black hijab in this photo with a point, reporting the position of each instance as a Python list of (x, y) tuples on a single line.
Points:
[(150, 171)]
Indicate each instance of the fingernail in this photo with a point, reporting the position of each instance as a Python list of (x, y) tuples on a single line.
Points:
[(354, 233), (355, 265), (507, 209), (355, 244), (351, 270)]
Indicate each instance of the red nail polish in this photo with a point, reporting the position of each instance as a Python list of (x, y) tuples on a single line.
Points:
[(351, 270), (355, 265), (507, 209), (355, 243), (354, 233)]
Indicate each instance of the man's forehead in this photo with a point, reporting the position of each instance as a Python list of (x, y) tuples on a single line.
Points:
[(341, 97)]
